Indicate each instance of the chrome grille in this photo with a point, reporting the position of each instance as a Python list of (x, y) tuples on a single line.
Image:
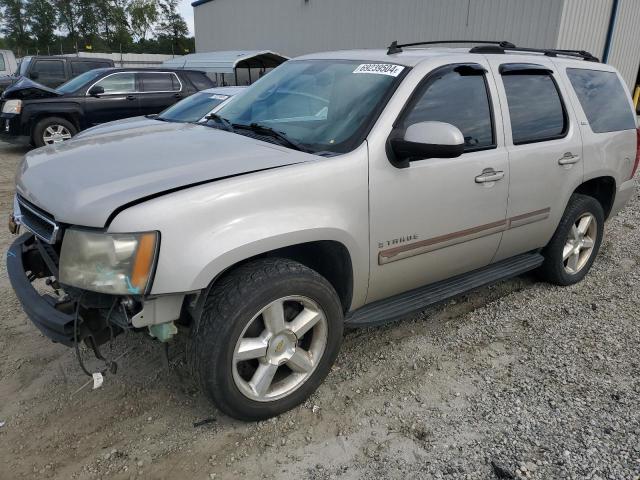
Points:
[(40, 223)]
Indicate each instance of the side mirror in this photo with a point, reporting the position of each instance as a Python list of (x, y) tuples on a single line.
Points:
[(96, 90), (426, 140)]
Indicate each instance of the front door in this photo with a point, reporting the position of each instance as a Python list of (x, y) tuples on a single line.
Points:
[(119, 100), (439, 217), (545, 151)]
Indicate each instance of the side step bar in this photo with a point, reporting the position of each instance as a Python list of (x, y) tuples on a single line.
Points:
[(403, 304)]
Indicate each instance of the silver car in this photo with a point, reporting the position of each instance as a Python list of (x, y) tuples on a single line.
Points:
[(343, 189)]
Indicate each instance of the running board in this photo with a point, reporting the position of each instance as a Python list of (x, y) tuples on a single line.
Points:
[(403, 304)]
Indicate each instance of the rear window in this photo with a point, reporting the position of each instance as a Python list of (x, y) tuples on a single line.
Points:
[(200, 80), (535, 108), (159, 82), (603, 100)]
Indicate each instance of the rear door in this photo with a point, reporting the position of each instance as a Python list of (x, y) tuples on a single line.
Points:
[(119, 100), (545, 151), (159, 91), (48, 72)]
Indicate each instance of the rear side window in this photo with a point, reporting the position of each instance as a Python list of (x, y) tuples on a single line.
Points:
[(603, 100), (159, 82), (458, 97), (200, 80), (49, 71), (535, 107)]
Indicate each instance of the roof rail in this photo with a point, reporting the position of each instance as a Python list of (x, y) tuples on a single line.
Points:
[(549, 52), (396, 48)]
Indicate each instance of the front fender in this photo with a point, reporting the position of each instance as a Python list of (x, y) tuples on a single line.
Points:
[(208, 228)]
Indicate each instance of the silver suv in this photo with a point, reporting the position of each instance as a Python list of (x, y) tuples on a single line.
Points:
[(343, 189)]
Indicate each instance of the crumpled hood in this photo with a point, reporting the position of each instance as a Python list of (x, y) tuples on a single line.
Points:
[(26, 89), (83, 181)]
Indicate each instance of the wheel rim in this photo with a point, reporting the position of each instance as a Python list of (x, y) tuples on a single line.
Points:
[(280, 348), (55, 134), (580, 243)]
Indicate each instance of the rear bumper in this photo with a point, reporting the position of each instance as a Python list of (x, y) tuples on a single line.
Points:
[(623, 195), (45, 311)]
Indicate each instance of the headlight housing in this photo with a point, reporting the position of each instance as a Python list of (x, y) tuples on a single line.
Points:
[(12, 106), (116, 263)]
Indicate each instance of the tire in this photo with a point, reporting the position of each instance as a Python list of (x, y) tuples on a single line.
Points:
[(50, 125), (567, 271), (231, 313)]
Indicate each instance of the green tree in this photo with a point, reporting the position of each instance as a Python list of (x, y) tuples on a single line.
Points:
[(69, 15), (172, 25), (143, 15), (41, 15), (14, 24), (88, 21)]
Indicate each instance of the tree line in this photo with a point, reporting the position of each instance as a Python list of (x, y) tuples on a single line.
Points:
[(49, 27)]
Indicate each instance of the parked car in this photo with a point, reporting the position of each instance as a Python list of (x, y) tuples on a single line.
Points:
[(343, 189), (53, 71), (193, 109), (45, 116), (8, 64)]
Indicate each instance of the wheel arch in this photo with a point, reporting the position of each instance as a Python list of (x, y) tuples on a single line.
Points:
[(603, 189)]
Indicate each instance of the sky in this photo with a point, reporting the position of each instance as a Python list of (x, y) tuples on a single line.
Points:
[(187, 12)]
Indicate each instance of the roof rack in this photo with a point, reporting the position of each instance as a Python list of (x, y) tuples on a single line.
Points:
[(549, 52), (395, 48), (494, 46)]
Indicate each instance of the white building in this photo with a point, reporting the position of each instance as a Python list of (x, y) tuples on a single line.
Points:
[(609, 29)]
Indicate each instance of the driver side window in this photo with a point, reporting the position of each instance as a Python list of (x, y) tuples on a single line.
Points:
[(124, 82), (458, 96)]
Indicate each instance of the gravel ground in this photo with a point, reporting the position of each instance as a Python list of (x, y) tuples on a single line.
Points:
[(520, 380)]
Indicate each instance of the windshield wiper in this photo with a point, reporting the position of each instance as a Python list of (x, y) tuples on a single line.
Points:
[(226, 124), (261, 129)]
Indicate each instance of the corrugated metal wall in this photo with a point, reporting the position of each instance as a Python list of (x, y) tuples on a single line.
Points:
[(584, 25), (625, 47), (294, 27)]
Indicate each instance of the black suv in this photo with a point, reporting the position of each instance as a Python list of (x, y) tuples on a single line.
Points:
[(46, 116), (54, 71)]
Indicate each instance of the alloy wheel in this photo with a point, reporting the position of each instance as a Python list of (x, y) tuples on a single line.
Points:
[(279, 348), (580, 243), (55, 134)]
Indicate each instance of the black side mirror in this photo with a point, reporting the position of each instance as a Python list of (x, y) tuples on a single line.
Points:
[(96, 90), (425, 140)]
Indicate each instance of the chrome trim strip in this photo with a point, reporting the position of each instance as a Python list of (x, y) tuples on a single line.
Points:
[(86, 94), (19, 219), (462, 236)]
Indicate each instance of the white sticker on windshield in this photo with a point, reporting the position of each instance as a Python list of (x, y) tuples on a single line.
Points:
[(219, 97), (380, 69)]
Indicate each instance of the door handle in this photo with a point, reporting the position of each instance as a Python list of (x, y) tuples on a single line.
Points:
[(131, 97), (568, 159), (489, 175)]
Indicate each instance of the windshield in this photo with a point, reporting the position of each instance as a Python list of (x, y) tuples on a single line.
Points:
[(75, 83), (193, 108), (323, 105), (23, 66)]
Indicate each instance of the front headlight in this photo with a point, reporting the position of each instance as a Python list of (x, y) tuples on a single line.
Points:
[(116, 263), (12, 106)]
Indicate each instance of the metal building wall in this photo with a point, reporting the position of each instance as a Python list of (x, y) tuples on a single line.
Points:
[(625, 47), (584, 24), (294, 27)]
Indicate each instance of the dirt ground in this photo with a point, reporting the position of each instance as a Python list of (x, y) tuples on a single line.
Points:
[(520, 380)]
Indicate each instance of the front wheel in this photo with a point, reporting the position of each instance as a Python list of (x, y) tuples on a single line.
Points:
[(575, 244), (52, 130), (268, 336)]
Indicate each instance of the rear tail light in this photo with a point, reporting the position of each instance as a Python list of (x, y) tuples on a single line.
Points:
[(635, 165)]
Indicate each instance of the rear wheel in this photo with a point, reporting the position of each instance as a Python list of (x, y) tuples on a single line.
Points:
[(52, 130), (575, 244), (267, 338)]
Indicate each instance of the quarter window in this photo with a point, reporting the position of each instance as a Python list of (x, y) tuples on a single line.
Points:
[(603, 100), (535, 108), (159, 82), (124, 82), (2, 65), (457, 96)]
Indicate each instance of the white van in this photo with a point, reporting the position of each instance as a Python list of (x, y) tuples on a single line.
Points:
[(8, 64)]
